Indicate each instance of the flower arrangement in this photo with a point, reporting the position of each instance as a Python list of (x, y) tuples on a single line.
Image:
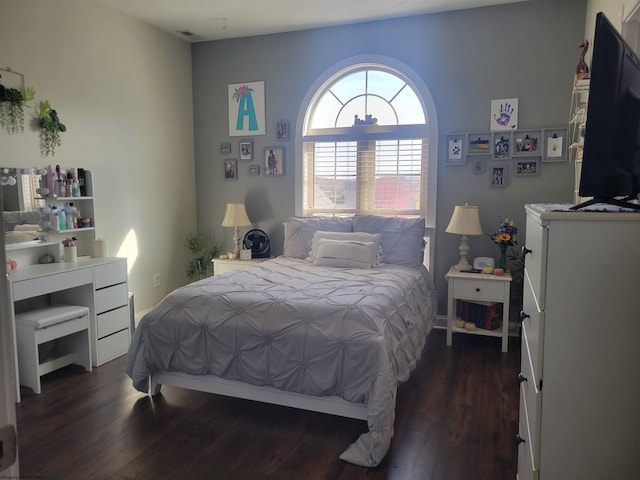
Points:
[(506, 232)]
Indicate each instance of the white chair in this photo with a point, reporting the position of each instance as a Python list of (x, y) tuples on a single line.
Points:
[(68, 325)]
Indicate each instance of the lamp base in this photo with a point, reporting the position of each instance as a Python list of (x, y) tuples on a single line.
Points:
[(463, 264)]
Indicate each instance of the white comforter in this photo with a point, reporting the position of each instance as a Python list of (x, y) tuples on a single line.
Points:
[(355, 333)]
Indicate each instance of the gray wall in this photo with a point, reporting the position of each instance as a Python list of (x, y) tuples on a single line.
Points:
[(466, 58)]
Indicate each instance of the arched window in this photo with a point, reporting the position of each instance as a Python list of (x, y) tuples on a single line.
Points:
[(369, 143)]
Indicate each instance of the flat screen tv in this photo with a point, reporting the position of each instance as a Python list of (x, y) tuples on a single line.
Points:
[(611, 156)]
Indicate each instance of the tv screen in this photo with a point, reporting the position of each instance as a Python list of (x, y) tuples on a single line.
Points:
[(611, 156)]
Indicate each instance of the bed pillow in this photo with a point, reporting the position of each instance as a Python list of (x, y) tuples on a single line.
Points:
[(373, 238), (401, 238), (345, 253), (298, 232)]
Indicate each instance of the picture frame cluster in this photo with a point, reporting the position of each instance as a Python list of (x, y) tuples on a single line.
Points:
[(518, 151), (270, 162)]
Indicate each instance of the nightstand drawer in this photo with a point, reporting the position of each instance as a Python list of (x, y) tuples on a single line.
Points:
[(471, 289)]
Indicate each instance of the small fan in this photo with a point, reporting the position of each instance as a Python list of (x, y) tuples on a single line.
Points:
[(258, 242)]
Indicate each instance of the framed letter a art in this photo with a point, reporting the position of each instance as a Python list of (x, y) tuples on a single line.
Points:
[(246, 109)]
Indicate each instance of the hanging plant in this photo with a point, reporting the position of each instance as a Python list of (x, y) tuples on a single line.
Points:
[(12, 102), (50, 129)]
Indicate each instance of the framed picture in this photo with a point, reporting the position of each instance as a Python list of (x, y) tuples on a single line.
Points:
[(527, 142), (246, 108), (498, 177), (246, 150), (478, 144), (504, 115), (455, 150), (502, 145), (282, 130), (526, 168), (274, 161), (555, 145), (225, 148), (231, 169), (254, 170), (478, 165)]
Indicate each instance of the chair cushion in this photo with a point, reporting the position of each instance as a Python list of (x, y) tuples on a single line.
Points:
[(45, 317)]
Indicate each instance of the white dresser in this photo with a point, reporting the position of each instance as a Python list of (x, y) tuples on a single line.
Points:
[(580, 370)]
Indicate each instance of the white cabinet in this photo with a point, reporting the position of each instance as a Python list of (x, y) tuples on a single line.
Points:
[(579, 390), (112, 335), (478, 287)]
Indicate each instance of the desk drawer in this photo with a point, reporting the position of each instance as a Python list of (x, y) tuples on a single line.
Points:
[(471, 289), (112, 297), (112, 346), (51, 283), (112, 321), (110, 274)]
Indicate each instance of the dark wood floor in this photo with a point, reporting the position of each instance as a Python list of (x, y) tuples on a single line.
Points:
[(456, 419)]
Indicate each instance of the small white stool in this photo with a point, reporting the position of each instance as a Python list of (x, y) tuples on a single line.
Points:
[(68, 324)]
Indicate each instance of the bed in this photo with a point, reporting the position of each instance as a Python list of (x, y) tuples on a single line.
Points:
[(332, 326)]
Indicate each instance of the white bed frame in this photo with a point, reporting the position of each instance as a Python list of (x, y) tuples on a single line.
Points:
[(210, 383), (332, 405)]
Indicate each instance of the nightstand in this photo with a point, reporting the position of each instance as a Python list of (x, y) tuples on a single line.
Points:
[(224, 265), (480, 288)]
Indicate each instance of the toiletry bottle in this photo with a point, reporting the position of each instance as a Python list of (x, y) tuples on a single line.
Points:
[(55, 218), (63, 219), (51, 181)]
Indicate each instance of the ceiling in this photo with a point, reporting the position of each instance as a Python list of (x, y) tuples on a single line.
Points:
[(221, 19)]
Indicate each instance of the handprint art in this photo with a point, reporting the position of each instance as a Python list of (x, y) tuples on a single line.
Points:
[(504, 114)]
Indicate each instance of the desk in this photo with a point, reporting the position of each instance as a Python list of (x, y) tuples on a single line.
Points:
[(97, 283)]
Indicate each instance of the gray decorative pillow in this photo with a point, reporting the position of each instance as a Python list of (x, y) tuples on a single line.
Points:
[(401, 238), (298, 232)]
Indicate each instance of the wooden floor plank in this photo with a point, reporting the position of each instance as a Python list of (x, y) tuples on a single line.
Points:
[(456, 418)]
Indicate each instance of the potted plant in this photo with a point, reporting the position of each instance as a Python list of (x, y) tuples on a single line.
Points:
[(203, 252), (12, 102), (50, 129)]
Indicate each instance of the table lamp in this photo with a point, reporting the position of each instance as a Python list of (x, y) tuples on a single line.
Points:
[(236, 216), (464, 221)]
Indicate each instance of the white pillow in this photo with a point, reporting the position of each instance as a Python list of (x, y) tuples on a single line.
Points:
[(348, 236), (298, 232), (345, 253)]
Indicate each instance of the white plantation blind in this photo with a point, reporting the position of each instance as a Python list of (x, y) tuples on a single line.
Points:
[(365, 146), (375, 176)]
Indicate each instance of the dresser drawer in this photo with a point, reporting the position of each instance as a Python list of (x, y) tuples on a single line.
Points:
[(112, 321), (531, 402), (532, 331), (471, 289), (525, 453), (112, 346), (535, 260), (111, 297), (110, 274)]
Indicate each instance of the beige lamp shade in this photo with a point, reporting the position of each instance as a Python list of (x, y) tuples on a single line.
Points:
[(464, 221), (236, 216)]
